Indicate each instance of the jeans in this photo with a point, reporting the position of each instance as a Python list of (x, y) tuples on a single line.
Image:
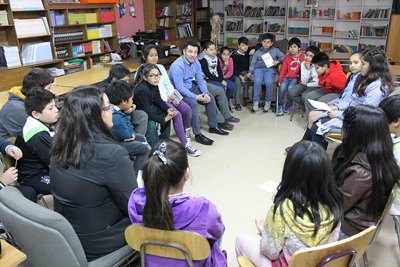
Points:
[(229, 89), (139, 120), (267, 75), (182, 120), (286, 86), (238, 84), (152, 132), (138, 151)]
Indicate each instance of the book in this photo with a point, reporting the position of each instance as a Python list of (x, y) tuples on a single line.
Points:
[(9, 56), (21, 5), (177, 97), (36, 52), (31, 27)]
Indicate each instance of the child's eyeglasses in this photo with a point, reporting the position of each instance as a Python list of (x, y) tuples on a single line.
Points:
[(109, 107)]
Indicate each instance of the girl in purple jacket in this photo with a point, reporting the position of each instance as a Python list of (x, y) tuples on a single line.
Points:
[(162, 204)]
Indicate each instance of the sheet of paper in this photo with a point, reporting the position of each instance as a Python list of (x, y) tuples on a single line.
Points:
[(269, 62), (319, 105), (270, 187)]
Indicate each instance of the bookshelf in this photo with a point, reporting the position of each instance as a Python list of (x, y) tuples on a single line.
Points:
[(203, 26), (173, 19), (359, 24)]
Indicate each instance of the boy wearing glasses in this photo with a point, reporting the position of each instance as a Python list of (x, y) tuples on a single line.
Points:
[(120, 94)]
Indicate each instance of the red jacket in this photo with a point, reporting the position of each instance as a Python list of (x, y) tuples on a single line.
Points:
[(290, 67), (334, 80)]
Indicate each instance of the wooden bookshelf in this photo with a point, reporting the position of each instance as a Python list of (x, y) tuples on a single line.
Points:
[(202, 25)]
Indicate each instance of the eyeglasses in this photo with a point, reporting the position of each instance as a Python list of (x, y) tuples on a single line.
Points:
[(109, 107), (154, 75)]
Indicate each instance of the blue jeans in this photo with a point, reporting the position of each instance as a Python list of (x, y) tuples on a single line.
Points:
[(286, 85), (229, 90), (267, 75)]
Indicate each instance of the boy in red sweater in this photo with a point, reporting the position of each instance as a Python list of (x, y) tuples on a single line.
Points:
[(331, 80), (289, 74)]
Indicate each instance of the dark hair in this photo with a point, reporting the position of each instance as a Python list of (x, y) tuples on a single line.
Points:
[(391, 107), (269, 36), (158, 177), (36, 77), (119, 91), (118, 71), (321, 59), (307, 181), (313, 49), (224, 48), (80, 120), (207, 44), (144, 70), (295, 41), (365, 130), (191, 43), (378, 69), (37, 99), (146, 52), (243, 40)]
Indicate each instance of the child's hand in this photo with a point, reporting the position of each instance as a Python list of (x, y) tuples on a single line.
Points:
[(170, 99), (9, 176), (171, 113), (260, 226), (132, 138), (14, 152), (224, 83), (276, 62), (242, 79), (131, 109), (252, 52), (248, 75), (332, 113), (333, 108)]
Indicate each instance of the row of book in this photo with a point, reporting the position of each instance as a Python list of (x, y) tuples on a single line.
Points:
[(321, 45), (234, 10), (67, 36), (298, 30), (377, 13), (379, 31), (57, 19), (62, 52), (202, 15), (274, 27), (165, 35), (164, 22), (322, 30), (93, 47), (255, 28), (9, 56), (203, 32), (363, 47), (324, 13), (350, 33), (163, 11), (3, 17), (234, 26), (253, 12), (295, 13), (275, 11), (184, 30), (184, 9)]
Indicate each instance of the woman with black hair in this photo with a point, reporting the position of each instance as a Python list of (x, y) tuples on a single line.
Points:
[(92, 176), (364, 167)]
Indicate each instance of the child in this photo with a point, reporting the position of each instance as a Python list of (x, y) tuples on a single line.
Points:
[(148, 99), (226, 64), (306, 211), (289, 74), (35, 143), (13, 115), (331, 80), (212, 70), (371, 87), (308, 78), (241, 64), (120, 94), (391, 107), (263, 66), (364, 167), (163, 204)]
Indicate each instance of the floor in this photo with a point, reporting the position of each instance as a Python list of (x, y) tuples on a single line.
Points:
[(230, 173)]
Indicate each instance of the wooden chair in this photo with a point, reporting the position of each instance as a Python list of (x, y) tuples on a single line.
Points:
[(182, 245), (341, 253)]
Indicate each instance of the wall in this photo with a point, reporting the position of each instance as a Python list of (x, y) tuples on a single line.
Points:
[(127, 25)]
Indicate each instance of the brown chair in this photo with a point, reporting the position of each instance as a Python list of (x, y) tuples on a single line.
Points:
[(341, 253), (182, 245)]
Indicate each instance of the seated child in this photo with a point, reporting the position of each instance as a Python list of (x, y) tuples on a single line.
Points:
[(263, 67), (241, 64), (226, 63), (163, 204), (120, 94), (35, 143), (289, 74), (306, 210)]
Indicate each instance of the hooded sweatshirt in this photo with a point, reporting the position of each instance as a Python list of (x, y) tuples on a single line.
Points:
[(291, 67), (287, 234), (13, 115), (191, 213), (334, 80)]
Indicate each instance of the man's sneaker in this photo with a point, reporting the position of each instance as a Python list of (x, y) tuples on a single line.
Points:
[(191, 151), (187, 133), (280, 111), (255, 106), (267, 106), (232, 119), (286, 109), (226, 126), (238, 107)]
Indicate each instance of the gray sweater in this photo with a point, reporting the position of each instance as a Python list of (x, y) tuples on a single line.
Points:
[(13, 114)]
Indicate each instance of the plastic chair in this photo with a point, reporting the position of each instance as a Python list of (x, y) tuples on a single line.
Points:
[(45, 236), (182, 245), (341, 253)]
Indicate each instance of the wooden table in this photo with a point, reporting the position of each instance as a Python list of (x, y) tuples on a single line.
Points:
[(10, 256)]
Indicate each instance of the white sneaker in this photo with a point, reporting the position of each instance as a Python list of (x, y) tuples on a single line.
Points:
[(267, 106), (255, 106), (191, 151), (187, 133)]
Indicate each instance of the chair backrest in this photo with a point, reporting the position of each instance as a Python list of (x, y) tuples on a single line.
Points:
[(169, 244), (45, 236), (340, 251)]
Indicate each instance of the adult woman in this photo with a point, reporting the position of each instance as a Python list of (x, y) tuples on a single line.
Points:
[(91, 175)]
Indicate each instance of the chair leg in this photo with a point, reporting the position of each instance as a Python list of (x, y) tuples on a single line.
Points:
[(293, 110), (397, 227), (365, 259), (40, 198)]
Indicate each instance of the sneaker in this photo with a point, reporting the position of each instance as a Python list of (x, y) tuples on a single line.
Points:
[(238, 107), (267, 106), (226, 126), (255, 106), (187, 133), (280, 111), (286, 109), (191, 151), (232, 119)]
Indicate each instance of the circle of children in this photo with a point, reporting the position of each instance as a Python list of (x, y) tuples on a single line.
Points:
[(87, 162)]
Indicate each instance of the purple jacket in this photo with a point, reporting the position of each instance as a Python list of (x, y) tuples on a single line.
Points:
[(191, 213)]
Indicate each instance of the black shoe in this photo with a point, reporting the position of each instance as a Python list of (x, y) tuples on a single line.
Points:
[(217, 130), (226, 126), (238, 107), (232, 119), (203, 140), (246, 100)]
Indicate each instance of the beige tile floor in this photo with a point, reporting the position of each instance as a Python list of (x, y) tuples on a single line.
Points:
[(229, 173)]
